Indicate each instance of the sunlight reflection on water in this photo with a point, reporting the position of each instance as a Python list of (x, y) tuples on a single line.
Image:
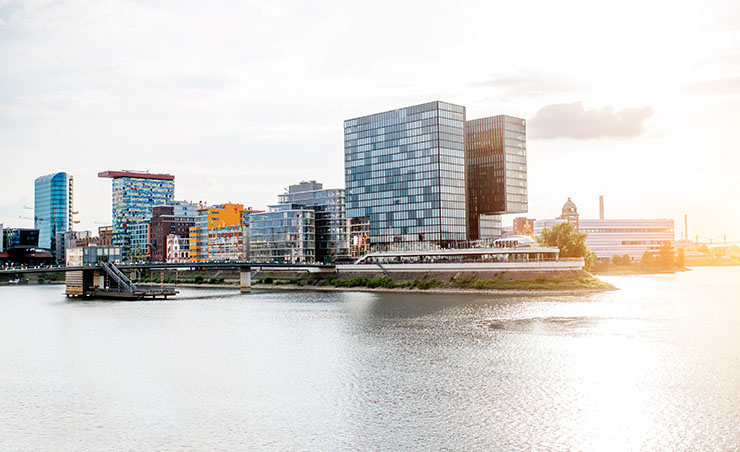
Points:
[(653, 366)]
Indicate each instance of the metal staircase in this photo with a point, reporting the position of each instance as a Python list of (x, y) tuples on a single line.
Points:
[(117, 275)]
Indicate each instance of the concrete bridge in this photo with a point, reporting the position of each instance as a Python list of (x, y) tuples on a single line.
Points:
[(106, 279)]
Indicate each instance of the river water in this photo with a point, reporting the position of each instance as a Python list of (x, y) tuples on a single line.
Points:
[(653, 366)]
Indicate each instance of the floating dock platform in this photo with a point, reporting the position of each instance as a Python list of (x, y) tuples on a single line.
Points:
[(108, 281)]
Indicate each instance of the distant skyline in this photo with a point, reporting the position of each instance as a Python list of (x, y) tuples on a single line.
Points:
[(636, 101)]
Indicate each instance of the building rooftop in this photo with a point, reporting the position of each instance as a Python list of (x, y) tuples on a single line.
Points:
[(135, 174)]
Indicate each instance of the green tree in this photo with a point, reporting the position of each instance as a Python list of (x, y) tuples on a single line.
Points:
[(569, 242), (666, 256)]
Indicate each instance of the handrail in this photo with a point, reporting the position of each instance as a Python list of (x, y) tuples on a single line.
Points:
[(118, 276), (123, 276), (385, 272)]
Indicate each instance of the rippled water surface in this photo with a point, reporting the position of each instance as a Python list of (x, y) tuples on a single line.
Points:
[(653, 366)]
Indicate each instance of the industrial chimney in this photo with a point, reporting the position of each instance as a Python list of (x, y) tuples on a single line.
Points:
[(601, 207)]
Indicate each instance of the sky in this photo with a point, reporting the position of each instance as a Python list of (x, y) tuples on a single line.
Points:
[(633, 100)]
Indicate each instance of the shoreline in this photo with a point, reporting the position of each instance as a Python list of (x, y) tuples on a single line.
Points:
[(294, 287)]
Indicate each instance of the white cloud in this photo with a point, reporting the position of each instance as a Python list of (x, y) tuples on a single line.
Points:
[(574, 121)]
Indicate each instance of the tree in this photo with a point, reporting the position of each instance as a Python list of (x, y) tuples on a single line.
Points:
[(569, 242), (681, 258), (565, 238), (621, 260), (666, 256), (647, 261), (589, 261)]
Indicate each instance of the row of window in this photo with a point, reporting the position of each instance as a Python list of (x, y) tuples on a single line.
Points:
[(376, 150), (389, 237), (410, 163), (456, 172)]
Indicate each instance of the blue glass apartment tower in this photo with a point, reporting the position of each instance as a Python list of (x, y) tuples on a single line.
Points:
[(53, 207), (405, 174), (134, 196)]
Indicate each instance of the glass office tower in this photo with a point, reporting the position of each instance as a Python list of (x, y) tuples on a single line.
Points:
[(134, 196), (496, 166), (53, 207), (405, 174)]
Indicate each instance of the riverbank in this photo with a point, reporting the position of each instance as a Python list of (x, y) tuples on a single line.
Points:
[(554, 285), (293, 288)]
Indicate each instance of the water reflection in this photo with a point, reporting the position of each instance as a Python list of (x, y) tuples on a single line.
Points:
[(654, 366)]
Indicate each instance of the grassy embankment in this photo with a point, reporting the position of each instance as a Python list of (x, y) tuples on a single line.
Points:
[(465, 282)]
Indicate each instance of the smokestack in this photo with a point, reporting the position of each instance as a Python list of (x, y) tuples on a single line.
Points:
[(601, 207), (686, 226)]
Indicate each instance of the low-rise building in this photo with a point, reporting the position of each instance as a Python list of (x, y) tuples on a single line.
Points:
[(178, 248), (91, 255), (20, 247), (106, 235), (226, 244), (523, 226), (68, 239), (209, 218), (615, 237), (285, 234)]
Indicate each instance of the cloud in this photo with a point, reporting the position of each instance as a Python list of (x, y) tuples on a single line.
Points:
[(573, 121), (531, 85), (716, 87)]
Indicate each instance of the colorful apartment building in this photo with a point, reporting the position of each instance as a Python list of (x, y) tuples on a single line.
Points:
[(216, 226), (134, 195)]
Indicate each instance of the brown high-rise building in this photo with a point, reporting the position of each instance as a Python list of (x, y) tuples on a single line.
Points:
[(166, 221), (495, 170)]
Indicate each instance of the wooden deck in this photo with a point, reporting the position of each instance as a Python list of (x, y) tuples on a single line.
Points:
[(116, 295)]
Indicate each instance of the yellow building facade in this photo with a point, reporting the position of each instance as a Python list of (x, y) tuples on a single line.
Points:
[(212, 218)]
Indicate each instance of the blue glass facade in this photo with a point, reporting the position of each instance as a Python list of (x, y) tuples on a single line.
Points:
[(53, 207), (405, 173)]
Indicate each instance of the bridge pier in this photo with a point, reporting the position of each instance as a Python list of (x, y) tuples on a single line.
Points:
[(245, 279)]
